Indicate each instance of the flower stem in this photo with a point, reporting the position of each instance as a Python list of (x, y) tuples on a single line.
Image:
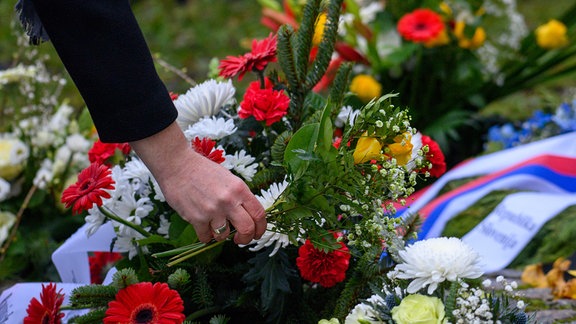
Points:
[(19, 215), (120, 220)]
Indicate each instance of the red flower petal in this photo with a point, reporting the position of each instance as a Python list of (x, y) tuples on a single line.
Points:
[(47, 310), (92, 185), (101, 152), (327, 269), (266, 104), (421, 25), (205, 147)]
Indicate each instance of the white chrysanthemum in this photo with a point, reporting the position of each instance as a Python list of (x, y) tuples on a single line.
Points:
[(203, 100), (365, 313), (77, 143), (132, 210), (158, 194), (241, 163), (211, 127), (435, 260), (270, 237), (347, 115), (127, 243), (121, 186), (94, 219), (4, 189), (138, 175)]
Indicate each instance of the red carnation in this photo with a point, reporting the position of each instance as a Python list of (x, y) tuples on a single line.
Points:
[(420, 26), (264, 104), (92, 185), (146, 303), (102, 152), (47, 310), (263, 52), (327, 269), (205, 147), (434, 156)]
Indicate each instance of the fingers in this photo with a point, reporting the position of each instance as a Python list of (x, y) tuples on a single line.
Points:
[(253, 207)]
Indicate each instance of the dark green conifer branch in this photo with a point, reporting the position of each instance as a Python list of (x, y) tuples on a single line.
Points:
[(304, 36), (339, 88), (286, 57), (92, 296)]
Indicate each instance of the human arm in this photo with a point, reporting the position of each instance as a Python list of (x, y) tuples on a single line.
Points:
[(104, 52)]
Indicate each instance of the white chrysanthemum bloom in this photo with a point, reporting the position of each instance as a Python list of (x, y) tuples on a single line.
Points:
[(270, 237), (7, 219), (365, 313), (138, 175), (211, 127), (121, 186), (94, 219), (60, 119), (241, 163), (127, 243), (203, 100), (132, 210), (158, 194), (347, 115), (78, 143), (435, 260), (44, 175), (4, 189)]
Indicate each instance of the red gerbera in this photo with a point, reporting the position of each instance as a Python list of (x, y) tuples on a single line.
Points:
[(205, 147), (327, 269), (100, 263), (144, 303), (263, 52), (434, 156), (48, 309), (102, 152), (420, 26), (264, 104), (92, 185)]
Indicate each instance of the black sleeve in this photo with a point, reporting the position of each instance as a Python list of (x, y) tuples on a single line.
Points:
[(104, 51)]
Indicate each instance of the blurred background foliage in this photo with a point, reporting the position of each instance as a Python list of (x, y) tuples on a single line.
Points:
[(187, 34)]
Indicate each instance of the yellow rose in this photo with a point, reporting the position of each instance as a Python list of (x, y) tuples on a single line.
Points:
[(401, 149), (319, 29), (419, 309), (13, 155), (7, 219), (368, 148), (470, 43), (366, 87), (551, 35)]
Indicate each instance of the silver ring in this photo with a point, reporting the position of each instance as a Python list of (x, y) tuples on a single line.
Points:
[(221, 229)]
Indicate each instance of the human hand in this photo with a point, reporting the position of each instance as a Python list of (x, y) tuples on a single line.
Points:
[(204, 193)]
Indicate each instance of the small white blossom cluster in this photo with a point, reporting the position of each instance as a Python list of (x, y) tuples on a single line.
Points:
[(472, 306)]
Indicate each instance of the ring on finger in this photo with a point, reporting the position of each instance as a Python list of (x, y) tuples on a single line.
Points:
[(221, 229)]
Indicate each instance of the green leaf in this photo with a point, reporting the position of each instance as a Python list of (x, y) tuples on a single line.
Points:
[(303, 140), (325, 132), (181, 232), (154, 239)]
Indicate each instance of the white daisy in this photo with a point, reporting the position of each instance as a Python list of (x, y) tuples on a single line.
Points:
[(203, 100), (435, 260), (211, 127), (242, 164)]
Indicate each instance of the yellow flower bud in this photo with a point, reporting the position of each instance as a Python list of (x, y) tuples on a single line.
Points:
[(401, 149), (551, 35), (368, 148), (319, 29), (366, 87), (469, 43)]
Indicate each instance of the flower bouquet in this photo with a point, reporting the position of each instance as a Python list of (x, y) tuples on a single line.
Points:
[(329, 170), (447, 59)]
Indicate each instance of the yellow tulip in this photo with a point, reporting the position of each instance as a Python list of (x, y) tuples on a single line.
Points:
[(551, 35), (368, 148), (469, 43), (401, 149), (365, 87)]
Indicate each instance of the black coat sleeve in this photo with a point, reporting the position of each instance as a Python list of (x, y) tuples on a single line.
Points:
[(104, 51)]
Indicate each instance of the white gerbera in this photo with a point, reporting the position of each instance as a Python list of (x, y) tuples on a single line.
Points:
[(435, 260), (241, 163), (203, 100), (211, 127)]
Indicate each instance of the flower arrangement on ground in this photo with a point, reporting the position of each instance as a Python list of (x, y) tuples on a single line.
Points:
[(327, 170), (448, 59), (44, 143)]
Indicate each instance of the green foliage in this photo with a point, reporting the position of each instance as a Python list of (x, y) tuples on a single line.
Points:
[(92, 296), (95, 316), (202, 293)]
